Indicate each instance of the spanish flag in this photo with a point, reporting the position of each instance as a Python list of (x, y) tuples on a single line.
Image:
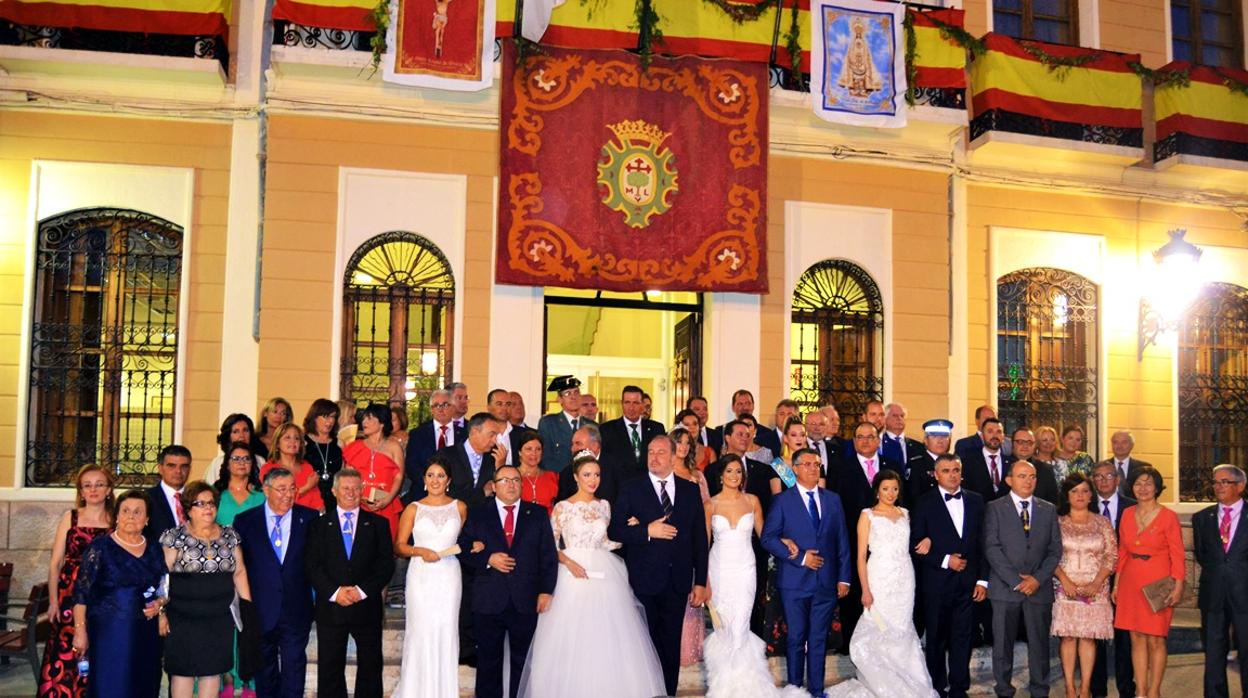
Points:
[(188, 17), (1102, 90), (353, 15), (938, 62), (1204, 117)]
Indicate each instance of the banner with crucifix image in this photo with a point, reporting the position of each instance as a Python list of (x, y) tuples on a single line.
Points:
[(858, 62), (624, 177), (443, 44)]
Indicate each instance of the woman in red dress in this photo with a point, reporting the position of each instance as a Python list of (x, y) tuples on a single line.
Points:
[(1150, 547), (79, 526), (380, 462), (536, 485), (288, 450)]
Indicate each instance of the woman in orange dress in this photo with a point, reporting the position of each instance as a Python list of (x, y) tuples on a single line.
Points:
[(288, 451), (536, 485), (380, 462), (1150, 547), (689, 420)]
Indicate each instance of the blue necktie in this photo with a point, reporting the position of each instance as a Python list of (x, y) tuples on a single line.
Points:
[(275, 537), (348, 533), (892, 449), (814, 509)]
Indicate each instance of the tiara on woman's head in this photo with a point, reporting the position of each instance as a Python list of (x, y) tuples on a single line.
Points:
[(584, 453)]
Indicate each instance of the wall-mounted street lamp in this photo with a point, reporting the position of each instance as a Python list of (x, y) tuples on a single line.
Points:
[(1175, 285)]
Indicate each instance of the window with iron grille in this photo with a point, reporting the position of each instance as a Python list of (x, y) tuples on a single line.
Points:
[(104, 344), (398, 319), (1047, 349), (1213, 388), (1054, 21), (1208, 32), (837, 340)]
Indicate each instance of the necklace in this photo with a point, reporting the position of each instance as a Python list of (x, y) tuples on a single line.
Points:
[(324, 454), (142, 541)]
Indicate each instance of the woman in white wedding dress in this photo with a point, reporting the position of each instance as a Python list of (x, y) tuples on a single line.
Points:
[(735, 658), (593, 640), (885, 648), (431, 636)]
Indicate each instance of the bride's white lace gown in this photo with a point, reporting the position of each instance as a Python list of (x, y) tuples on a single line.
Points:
[(885, 649), (431, 636), (592, 642), (735, 658)]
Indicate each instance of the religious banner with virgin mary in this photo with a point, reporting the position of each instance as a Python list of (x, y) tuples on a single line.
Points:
[(858, 62)]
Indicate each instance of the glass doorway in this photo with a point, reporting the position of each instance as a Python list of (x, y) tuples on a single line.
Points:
[(609, 340)]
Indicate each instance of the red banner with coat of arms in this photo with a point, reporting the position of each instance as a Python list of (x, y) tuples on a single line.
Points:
[(624, 178)]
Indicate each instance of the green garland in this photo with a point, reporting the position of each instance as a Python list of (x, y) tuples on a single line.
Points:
[(648, 31), (741, 13), (1058, 65), (381, 20), (958, 35), (1182, 77), (793, 45), (912, 54), (949, 32)]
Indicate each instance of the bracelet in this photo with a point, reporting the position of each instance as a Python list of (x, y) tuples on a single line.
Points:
[(83, 624)]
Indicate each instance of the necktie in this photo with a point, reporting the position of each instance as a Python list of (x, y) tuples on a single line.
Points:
[(1225, 529), (348, 532), (871, 470), (1026, 517), (892, 449), (573, 423), (996, 474), (1122, 470), (636, 441), (664, 499), (275, 537), (509, 524), (178, 511), (441, 437), (1105, 510), (814, 510), (955, 495)]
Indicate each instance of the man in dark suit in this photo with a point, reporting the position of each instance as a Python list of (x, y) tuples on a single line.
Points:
[(1219, 542), (1121, 444), (473, 461), (817, 438), (174, 467), (557, 428), (974, 442), (1046, 479), (812, 581), (514, 578), (428, 438), (711, 438), (275, 537), (662, 524), (349, 561), (983, 469), (773, 436), (498, 404), (624, 439), (589, 438), (894, 444), (946, 531), (851, 479), (1023, 544), (1110, 503), (518, 411)]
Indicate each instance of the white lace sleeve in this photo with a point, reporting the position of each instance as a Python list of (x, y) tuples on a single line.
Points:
[(605, 507), (556, 525)]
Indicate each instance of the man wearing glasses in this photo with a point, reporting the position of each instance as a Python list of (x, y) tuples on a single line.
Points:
[(1218, 540), (1110, 503), (427, 439), (1024, 448)]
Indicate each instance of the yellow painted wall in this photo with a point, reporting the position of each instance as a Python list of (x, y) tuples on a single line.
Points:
[(29, 136), (1139, 393), (919, 342), (301, 215)]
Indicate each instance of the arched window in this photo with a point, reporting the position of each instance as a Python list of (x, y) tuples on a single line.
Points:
[(837, 340), (1213, 388), (104, 344), (1047, 351), (398, 315)]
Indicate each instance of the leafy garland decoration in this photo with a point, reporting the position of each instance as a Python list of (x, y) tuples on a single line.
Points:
[(1058, 65), (648, 31), (380, 15), (949, 32), (912, 53), (1182, 77), (740, 12), (793, 45)]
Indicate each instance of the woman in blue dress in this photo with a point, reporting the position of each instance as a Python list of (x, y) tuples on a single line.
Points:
[(116, 604)]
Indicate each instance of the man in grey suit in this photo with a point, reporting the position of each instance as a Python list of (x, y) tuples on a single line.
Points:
[(556, 428), (1023, 544)]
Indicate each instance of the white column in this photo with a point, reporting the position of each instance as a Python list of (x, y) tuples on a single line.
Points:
[(730, 350), (959, 360), (240, 353)]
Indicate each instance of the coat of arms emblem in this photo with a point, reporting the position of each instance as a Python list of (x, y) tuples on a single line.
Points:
[(639, 174)]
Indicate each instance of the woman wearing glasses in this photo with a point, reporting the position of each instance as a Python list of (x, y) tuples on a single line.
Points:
[(205, 570), (239, 484)]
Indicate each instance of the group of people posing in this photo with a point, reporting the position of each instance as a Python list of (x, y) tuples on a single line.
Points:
[(588, 554)]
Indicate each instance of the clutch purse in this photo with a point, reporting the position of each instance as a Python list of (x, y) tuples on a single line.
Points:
[(1158, 593)]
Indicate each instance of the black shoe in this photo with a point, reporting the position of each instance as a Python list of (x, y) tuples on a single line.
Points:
[(468, 661)]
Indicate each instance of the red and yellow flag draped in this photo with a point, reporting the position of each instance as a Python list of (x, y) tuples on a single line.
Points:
[(688, 26), (624, 179), (938, 62), (193, 17), (1204, 117), (355, 15), (1102, 90)]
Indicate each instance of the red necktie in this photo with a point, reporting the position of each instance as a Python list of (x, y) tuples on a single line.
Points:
[(179, 512), (996, 474), (442, 437), (509, 524), (1225, 529)]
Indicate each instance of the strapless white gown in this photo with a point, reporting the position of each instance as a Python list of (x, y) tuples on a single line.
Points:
[(735, 658), (885, 649), (430, 666)]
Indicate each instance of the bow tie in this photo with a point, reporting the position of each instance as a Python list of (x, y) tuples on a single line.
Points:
[(955, 495)]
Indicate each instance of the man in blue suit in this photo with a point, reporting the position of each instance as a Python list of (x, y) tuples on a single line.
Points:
[(661, 522), (813, 574), (274, 536)]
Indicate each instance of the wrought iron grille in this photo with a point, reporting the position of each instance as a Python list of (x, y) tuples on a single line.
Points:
[(290, 34), (398, 304), (1213, 388), (837, 340), (104, 344), (79, 39), (1047, 338)]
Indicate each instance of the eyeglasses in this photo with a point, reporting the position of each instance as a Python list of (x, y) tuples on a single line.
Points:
[(1105, 477), (204, 504), (508, 481), (282, 490), (1026, 442), (241, 459), (1225, 483), (440, 405)]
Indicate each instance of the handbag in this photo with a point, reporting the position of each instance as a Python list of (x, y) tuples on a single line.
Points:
[(1158, 593)]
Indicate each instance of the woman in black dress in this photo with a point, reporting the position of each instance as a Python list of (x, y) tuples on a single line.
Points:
[(205, 569), (320, 429)]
